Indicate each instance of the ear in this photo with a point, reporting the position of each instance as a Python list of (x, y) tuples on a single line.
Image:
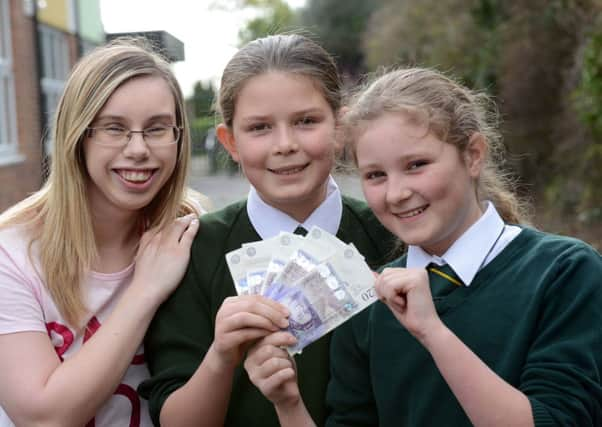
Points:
[(226, 138), (475, 154)]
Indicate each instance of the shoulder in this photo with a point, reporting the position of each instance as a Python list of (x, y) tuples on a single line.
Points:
[(554, 247), (219, 230), (559, 265), (16, 244), (17, 233), (220, 222)]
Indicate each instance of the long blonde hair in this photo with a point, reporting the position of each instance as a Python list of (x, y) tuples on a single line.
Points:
[(58, 215), (452, 112)]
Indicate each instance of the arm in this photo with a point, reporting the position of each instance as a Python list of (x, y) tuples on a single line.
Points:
[(37, 389), (485, 397), (205, 396), (559, 383)]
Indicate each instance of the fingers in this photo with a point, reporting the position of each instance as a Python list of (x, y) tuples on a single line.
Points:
[(188, 235), (268, 355), (258, 308), (394, 284), (270, 367), (244, 319), (390, 283), (180, 227)]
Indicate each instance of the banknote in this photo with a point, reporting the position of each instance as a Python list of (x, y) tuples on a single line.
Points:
[(320, 279), (249, 264), (335, 290)]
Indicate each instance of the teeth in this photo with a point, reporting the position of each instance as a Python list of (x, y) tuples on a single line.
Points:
[(288, 171), (135, 176), (411, 213)]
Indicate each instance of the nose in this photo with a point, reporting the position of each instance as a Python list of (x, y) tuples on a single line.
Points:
[(398, 190), (136, 148), (286, 141)]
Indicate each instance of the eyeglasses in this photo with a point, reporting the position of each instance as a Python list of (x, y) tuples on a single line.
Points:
[(118, 136)]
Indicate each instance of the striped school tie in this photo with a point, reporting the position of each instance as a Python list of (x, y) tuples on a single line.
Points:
[(442, 279)]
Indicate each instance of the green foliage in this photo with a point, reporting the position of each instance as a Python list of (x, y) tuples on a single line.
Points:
[(339, 26), (201, 101), (588, 95), (275, 16), (451, 35), (198, 131)]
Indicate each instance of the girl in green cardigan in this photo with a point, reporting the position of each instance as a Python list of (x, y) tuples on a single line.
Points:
[(484, 321), (279, 99)]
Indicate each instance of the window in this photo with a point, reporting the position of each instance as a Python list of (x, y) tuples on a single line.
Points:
[(8, 125), (55, 68)]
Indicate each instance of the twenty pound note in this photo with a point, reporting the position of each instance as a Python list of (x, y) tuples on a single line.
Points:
[(327, 296), (320, 279)]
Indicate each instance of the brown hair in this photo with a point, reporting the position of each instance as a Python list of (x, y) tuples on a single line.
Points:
[(59, 214), (452, 112), (292, 53)]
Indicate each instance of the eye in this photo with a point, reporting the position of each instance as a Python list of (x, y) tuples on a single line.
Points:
[(158, 130), (372, 175), (114, 129), (307, 120), (258, 127), (416, 164)]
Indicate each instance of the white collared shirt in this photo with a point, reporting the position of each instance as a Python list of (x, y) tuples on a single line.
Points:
[(480, 244), (269, 221)]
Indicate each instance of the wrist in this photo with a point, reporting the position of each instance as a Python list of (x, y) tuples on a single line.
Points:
[(434, 336), (142, 294), (293, 412), (218, 364)]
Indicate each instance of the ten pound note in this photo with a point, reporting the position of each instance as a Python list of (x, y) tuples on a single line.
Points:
[(321, 280)]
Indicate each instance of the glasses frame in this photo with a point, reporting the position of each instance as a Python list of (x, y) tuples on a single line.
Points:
[(90, 131)]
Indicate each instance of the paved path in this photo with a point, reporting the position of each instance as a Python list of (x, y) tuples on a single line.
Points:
[(223, 188)]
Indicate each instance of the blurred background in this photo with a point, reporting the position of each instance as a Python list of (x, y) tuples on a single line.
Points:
[(541, 60)]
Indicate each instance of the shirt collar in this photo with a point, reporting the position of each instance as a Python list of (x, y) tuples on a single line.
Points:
[(467, 254), (269, 221)]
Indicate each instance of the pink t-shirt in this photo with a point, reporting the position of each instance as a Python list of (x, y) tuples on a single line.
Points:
[(25, 305)]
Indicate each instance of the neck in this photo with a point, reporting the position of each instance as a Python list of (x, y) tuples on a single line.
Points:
[(117, 241), (300, 210)]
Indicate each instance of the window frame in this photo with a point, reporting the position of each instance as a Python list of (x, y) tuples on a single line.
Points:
[(8, 109)]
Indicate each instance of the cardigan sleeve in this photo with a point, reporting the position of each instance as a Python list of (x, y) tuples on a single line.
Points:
[(562, 371)]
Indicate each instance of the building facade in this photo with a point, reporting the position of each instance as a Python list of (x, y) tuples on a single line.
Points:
[(40, 40)]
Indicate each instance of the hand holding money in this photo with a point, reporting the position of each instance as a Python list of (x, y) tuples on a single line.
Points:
[(321, 280), (242, 320), (272, 369)]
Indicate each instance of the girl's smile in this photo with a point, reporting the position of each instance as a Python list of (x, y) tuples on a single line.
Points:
[(418, 186), (283, 138)]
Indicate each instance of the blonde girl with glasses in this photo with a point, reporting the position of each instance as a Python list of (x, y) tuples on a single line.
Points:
[(86, 260)]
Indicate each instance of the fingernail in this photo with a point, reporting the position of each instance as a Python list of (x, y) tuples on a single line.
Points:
[(284, 323), (194, 221)]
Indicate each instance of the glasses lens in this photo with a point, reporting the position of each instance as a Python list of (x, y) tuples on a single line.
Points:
[(161, 135), (111, 135)]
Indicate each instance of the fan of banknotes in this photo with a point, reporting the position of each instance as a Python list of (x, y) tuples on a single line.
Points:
[(320, 279)]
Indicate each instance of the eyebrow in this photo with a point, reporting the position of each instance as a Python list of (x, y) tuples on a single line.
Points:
[(295, 113), (148, 119)]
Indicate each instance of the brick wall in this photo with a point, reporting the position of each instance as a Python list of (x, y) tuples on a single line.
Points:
[(20, 179)]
